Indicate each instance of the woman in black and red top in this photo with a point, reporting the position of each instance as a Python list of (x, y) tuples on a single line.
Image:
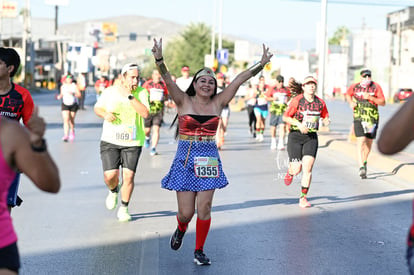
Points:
[(303, 115)]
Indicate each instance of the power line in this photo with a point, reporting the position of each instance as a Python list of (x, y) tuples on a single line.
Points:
[(386, 3)]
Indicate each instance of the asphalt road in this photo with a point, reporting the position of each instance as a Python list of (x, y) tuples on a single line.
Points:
[(354, 227)]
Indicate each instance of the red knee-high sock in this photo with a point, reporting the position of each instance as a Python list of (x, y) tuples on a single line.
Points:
[(182, 225), (202, 228)]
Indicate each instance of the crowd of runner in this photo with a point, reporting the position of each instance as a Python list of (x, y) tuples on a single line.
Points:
[(132, 112)]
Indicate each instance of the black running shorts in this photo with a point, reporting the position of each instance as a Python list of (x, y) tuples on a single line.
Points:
[(276, 120), (113, 156), (300, 145), (359, 130), (153, 119), (9, 257), (71, 108)]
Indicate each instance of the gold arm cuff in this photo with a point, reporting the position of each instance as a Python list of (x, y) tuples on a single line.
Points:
[(162, 68), (256, 68)]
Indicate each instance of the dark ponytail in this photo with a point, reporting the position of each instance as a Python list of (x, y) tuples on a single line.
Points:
[(295, 87)]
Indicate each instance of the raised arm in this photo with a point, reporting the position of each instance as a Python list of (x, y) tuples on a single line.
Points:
[(398, 132), (230, 91), (176, 94)]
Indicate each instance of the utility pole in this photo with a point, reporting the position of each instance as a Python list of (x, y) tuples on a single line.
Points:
[(56, 18), (1, 21), (56, 53), (27, 47), (213, 30), (322, 50), (220, 32)]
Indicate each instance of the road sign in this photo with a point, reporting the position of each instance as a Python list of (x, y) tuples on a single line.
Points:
[(223, 56), (110, 31), (8, 9)]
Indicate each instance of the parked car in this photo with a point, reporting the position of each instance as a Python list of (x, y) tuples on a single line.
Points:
[(402, 94)]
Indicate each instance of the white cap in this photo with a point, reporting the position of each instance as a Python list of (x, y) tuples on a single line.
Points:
[(129, 66)]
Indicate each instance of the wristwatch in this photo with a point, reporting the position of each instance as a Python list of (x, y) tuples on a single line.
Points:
[(131, 97), (40, 149)]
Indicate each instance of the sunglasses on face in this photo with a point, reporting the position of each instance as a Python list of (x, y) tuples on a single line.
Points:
[(367, 75)]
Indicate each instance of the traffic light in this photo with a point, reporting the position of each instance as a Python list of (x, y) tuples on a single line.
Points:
[(133, 36)]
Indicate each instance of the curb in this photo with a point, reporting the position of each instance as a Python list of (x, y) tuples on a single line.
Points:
[(401, 165)]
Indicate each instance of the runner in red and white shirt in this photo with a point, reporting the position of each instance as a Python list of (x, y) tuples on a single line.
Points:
[(158, 96), (364, 98), (303, 114), (279, 97), (16, 103)]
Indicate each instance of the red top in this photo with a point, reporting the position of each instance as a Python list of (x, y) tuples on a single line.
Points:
[(149, 84), (284, 91), (307, 112), (100, 85), (197, 125), (374, 89), (17, 104)]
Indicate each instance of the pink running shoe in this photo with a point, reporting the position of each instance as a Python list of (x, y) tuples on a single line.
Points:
[(303, 202), (288, 179), (65, 138), (72, 136)]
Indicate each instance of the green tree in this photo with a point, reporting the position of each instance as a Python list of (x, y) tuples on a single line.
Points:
[(339, 35)]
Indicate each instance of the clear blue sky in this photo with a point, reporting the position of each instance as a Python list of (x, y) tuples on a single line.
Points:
[(262, 20)]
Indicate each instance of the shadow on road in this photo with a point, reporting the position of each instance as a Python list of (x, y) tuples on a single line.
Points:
[(387, 174), (330, 141), (261, 247), (82, 125), (337, 199)]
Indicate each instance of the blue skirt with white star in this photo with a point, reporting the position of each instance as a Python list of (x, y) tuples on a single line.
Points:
[(195, 158)]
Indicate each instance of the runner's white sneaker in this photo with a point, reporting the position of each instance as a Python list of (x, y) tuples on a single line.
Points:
[(273, 144), (111, 200), (123, 215), (303, 202), (153, 152)]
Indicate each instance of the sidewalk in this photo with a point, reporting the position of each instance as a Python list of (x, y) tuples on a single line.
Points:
[(401, 164)]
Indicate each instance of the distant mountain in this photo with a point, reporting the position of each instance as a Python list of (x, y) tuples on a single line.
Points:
[(154, 27), (144, 27), (287, 45)]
